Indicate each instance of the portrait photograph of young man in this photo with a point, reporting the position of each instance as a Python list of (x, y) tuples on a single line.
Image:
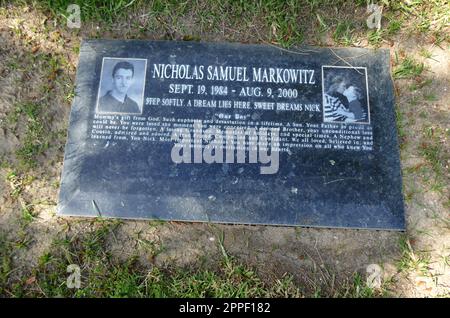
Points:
[(122, 84)]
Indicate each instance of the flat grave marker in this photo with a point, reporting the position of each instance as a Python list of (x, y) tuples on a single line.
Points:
[(233, 133)]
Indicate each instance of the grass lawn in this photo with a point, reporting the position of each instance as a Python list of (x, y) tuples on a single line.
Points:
[(38, 61)]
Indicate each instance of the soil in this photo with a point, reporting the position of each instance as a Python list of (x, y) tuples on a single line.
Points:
[(315, 257)]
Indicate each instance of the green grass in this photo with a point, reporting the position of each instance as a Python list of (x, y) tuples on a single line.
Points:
[(432, 153), (430, 97), (412, 260), (433, 149), (355, 287), (433, 170), (420, 83), (5, 264), (343, 34), (34, 142), (394, 26), (375, 37), (103, 275), (18, 182), (28, 214), (408, 68), (291, 19), (15, 184), (425, 53), (280, 22), (23, 239), (429, 15), (284, 23), (360, 288), (101, 10)]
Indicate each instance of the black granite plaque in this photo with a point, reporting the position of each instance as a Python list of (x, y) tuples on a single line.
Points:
[(233, 133)]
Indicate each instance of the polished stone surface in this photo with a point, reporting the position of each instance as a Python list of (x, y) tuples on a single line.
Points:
[(327, 177)]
